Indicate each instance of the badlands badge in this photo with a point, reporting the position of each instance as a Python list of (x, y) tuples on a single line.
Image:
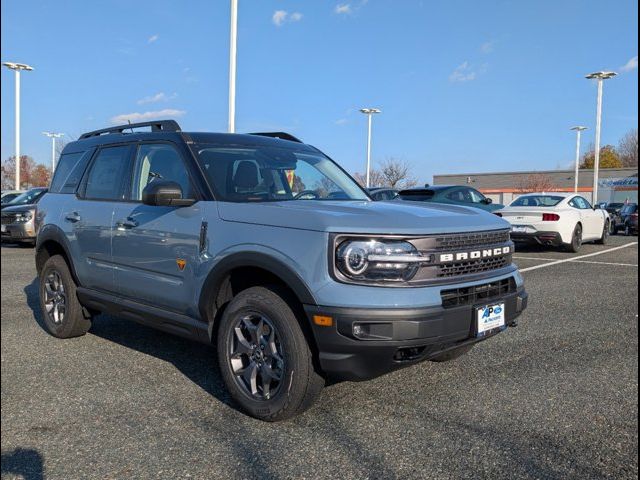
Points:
[(181, 262)]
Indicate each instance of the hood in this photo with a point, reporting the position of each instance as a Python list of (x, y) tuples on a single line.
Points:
[(403, 218), (19, 208)]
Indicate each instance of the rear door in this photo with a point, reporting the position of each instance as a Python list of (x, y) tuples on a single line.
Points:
[(592, 220), (88, 218), (157, 249)]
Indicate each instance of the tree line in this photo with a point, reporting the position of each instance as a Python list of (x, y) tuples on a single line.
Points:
[(32, 174), (624, 155)]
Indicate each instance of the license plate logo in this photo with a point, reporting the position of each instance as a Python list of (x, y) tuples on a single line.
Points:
[(490, 317)]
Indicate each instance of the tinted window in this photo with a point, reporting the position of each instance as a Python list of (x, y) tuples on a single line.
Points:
[(68, 172), (537, 201), (416, 195), (108, 170), (629, 209), (462, 195), (580, 203), (29, 197), (159, 162)]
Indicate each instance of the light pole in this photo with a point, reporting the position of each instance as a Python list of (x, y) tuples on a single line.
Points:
[(17, 67), (233, 38), (601, 77), (369, 112), (53, 136), (578, 129)]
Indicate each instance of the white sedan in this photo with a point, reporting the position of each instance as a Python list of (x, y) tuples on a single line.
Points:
[(556, 219)]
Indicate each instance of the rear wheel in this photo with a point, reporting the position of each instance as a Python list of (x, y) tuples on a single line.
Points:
[(576, 240), (627, 229), (63, 315), (605, 234), (264, 357)]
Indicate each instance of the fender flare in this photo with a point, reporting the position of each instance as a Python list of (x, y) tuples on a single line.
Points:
[(51, 232), (252, 259)]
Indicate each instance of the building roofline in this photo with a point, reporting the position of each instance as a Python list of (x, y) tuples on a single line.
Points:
[(532, 172)]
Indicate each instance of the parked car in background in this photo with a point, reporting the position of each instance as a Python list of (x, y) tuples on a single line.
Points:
[(556, 219), (8, 195), (452, 194), (18, 217), (614, 208), (626, 220), (382, 193)]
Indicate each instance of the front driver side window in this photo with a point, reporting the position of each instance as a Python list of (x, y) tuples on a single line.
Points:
[(159, 162)]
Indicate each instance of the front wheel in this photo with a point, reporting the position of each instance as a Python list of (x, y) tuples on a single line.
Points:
[(576, 240), (605, 234), (264, 357)]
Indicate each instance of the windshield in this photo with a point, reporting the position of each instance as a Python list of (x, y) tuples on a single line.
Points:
[(537, 201), (628, 209), (28, 197), (271, 174)]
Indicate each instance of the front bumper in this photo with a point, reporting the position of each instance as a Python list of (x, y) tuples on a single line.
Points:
[(553, 239), (19, 232), (410, 335)]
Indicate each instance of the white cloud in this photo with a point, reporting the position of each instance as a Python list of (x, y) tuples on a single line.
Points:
[(280, 17), (463, 73), (146, 116), (158, 97), (341, 121), (487, 47), (153, 38), (343, 8), (631, 65)]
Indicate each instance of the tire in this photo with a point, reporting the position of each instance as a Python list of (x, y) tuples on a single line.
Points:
[(259, 335), (452, 354), (613, 229), (576, 240), (627, 230), (605, 234), (61, 310)]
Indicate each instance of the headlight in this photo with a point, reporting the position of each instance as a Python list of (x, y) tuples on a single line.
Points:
[(24, 217), (378, 260)]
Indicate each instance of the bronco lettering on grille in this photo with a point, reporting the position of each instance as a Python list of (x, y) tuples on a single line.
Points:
[(474, 254)]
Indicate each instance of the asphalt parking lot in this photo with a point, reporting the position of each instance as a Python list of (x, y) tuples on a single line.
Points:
[(556, 397)]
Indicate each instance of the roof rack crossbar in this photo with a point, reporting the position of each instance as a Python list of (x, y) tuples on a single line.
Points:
[(280, 135), (157, 126)]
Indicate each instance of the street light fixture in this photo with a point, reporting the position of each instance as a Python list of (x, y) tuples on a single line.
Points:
[(600, 77), (578, 129), (17, 68), (233, 41), (53, 136), (369, 112)]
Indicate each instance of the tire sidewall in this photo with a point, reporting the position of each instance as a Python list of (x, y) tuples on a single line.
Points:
[(576, 239), (292, 342), (72, 307)]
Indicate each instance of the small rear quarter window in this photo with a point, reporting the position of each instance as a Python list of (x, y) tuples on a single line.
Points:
[(68, 172)]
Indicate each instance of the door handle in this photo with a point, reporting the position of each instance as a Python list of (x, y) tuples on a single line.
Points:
[(126, 224), (73, 217)]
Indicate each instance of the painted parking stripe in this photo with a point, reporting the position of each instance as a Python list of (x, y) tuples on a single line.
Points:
[(566, 260), (608, 263), (518, 257)]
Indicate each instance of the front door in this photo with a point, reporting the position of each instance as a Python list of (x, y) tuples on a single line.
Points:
[(156, 249)]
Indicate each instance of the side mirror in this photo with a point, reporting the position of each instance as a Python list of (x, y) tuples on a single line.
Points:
[(487, 201), (165, 193)]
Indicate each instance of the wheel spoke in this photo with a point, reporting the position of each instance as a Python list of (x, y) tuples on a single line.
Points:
[(250, 377), (242, 345)]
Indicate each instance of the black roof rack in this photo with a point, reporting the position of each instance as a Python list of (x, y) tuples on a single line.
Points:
[(280, 135), (157, 126)]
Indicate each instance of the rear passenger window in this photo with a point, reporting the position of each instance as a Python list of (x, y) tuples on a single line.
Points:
[(159, 162), (106, 176), (68, 172)]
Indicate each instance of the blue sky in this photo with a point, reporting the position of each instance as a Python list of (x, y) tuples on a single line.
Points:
[(464, 86)]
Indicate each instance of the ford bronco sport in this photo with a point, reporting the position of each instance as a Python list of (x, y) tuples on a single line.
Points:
[(263, 246)]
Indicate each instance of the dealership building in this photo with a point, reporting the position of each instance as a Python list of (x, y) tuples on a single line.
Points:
[(614, 185)]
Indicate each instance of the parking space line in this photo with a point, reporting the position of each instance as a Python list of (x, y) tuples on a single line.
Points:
[(566, 260), (518, 257), (608, 263)]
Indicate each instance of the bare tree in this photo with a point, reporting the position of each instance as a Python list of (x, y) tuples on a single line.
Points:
[(397, 173), (27, 165), (375, 178), (537, 182), (628, 148)]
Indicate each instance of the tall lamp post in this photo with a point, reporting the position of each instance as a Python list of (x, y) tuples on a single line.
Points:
[(578, 129), (233, 39), (601, 77), (369, 112), (17, 68), (53, 136)]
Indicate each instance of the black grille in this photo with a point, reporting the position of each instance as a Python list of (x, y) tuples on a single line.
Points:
[(477, 293), (7, 218), (473, 266), (463, 240)]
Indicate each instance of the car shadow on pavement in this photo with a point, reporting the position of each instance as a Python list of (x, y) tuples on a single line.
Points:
[(196, 361), (25, 463)]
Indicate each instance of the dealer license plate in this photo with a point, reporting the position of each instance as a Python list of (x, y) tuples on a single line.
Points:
[(519, 228), (490, 317)]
